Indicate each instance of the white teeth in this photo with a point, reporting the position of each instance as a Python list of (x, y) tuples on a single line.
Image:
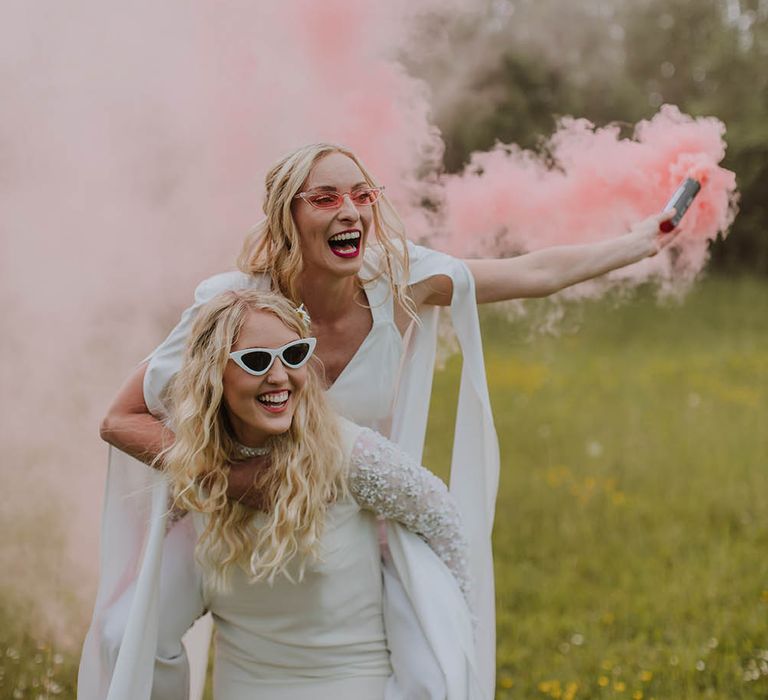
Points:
[(279, 397), (346, 236)]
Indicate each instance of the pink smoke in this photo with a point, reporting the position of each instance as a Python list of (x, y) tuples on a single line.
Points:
[(133, 145), (508, 200)]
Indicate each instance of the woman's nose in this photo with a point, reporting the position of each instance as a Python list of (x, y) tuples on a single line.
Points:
[(277, 373), (348, 211)]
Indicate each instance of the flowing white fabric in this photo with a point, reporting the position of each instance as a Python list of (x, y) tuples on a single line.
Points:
[(475, 460), (117, 666), (130, 526)]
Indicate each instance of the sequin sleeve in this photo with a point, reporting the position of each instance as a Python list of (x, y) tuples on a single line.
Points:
[(388, 482)]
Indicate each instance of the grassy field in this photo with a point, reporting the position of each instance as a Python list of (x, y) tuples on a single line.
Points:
[(632, 523), (32, 665), (632, 520)]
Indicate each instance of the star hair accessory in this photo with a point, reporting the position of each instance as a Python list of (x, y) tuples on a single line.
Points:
[(303, 314)]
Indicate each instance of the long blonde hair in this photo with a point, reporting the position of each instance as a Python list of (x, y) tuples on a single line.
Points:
[(306, 470), (273, 247)]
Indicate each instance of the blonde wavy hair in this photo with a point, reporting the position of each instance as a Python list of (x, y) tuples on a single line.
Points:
[(306, 470), (273, 246)]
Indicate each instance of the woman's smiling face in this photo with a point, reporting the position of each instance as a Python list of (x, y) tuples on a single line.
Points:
[(333, 240), (261, 406)]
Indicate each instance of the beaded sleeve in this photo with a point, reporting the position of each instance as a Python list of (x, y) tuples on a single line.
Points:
[(388, 482)]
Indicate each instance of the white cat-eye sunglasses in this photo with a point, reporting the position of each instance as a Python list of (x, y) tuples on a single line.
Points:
[(257, 361)]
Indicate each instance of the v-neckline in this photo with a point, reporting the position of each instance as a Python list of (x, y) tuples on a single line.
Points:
[(360, 347)]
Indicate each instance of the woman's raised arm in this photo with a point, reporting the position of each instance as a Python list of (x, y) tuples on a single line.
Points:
[(549, 270), (130, 426)]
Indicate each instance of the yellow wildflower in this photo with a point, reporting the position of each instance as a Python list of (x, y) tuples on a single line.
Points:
[(603, 681), (619, 686), (570, 690), (618, 498), (546, 686), (645, 676), (506, 681)]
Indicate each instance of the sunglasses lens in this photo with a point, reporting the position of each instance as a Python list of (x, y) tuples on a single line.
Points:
[(325, 200), (296, 354), (257, 360), (365, 197)]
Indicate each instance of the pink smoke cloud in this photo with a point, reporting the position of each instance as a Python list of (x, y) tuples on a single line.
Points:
[(133, 147), (509, 200)]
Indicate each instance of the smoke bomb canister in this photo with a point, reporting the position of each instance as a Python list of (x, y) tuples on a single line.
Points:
[(681, 200)]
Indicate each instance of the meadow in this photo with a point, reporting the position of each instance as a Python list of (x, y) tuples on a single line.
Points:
[(632, 520)]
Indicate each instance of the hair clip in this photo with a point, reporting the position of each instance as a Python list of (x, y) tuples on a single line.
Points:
[(303, 314)]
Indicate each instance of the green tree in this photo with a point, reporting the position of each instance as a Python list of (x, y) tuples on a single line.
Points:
[(509, 70)]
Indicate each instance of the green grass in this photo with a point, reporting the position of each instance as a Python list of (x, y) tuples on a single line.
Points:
[(32, 664), (632, 519), (631, 534)]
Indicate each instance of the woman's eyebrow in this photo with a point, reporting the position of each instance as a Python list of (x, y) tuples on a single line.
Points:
[(333, 188)]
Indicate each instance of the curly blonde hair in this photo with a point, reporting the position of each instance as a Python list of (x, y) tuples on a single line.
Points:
[(273, 247), (306, 470)]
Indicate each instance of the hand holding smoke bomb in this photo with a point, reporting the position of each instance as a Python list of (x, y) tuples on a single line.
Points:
[(669, 218), (681, 200)]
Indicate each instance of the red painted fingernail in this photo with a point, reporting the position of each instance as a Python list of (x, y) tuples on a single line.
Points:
[(666, 226)]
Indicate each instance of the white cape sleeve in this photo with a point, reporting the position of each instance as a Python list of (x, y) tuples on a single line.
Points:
[(118, 664), (475, 458)]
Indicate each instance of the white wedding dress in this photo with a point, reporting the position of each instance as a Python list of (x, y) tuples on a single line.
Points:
[(325, 636), (142, 607)]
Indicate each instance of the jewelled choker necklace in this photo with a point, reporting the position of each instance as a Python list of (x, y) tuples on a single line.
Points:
[(245, 452)]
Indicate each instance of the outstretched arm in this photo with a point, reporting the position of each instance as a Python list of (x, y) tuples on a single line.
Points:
[(385, 480), (546, 271)]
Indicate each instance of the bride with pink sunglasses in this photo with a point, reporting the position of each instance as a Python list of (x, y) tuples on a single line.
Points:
[(333, 242)]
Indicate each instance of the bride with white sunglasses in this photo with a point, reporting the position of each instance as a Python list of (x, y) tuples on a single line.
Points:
[(295, 589)]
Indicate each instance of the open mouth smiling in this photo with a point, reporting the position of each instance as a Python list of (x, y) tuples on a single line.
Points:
[(346, 244), (274, 401)]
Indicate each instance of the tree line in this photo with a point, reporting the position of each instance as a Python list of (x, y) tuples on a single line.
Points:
[(508, 71)]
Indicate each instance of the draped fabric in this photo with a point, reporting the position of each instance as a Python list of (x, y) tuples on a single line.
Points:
[(117, 663), (475, 459)]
